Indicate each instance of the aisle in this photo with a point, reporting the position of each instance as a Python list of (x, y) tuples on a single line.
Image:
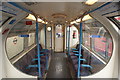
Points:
[(59, 66)]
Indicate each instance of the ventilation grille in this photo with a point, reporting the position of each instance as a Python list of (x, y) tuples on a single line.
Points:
[(59, 15)]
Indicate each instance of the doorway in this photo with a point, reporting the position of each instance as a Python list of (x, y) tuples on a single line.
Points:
[(59, 38)]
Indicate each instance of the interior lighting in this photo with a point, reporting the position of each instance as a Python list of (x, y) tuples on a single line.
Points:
[(86, 17), (91, 2), (73, 22), (49, 28), (32, 17), (78, 20)]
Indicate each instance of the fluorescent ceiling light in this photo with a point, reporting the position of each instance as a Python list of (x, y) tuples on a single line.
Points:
[(91, 2), (73, 22), (40, 20), (78, 20), (32, 17), (43, 21), (46, 22), (86, 17)]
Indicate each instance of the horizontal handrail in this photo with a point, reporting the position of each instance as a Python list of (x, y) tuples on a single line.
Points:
[(16, 58), (95, 54)]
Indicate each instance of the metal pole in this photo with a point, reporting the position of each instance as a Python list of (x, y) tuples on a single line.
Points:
[(80, 42), (45, 36), (51, 38), (66, 40), (46, 46), (38, 48), (69, 42)]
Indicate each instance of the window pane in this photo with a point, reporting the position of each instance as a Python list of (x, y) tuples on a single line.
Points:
[(86, 39), (117, 18), (99, 37), (17, 44), (99, 45)]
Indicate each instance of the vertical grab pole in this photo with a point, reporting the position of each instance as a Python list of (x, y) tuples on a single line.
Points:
[(38, 48), (51, 38), (46, 46), (69, 42), (66, 40), (80, 42), (45, 36)]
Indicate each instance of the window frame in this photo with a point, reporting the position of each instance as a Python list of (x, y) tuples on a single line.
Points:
[(107, 60), (117, 23)]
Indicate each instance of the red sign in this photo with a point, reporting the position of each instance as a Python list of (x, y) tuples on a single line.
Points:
[(5, 31), (74, 35), (28, 22)]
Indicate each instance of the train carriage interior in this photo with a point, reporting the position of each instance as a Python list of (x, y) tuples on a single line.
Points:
[(68, 40)]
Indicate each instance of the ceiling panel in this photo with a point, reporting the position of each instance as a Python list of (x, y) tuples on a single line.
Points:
[(72, 10)]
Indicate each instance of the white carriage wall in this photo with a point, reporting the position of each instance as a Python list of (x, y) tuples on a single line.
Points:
[(73, 42), (42, 37), (1, 72), (48, 39), (13, 48)]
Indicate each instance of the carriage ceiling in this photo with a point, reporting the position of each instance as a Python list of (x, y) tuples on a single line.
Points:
[(58, 12), (54, 12)]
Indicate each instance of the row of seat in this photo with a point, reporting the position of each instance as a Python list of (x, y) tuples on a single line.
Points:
[(29, 63), (26, 60), (74, 58), (44, 57)]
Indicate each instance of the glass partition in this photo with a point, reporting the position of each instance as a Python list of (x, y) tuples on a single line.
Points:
[(117, 18), (20, 46), (18, 43), (97, 39), (14, 45), (86, 40)]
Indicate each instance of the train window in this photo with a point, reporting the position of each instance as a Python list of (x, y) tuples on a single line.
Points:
[(21, 37), (20, 45), (103, 46), (15, 41), (96, 64), (117, 18), (97, 38), (12, 44), (86, 40)]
